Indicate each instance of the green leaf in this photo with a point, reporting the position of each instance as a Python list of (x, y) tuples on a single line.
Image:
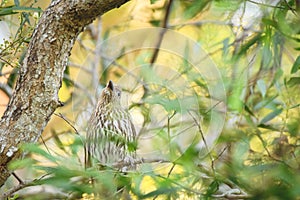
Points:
[(33, 148), (212, 188), (17, 3), (248, 110), (26, 9), (271, 115), (296, 65), (9, 10), (234, 101), (227, 5), (262, 87), (269, 127), (168, 104), (160, 191), (293, 81), (155, 22), (270, 22), (265, 102), (293, 127), (153, 1), (194, 7), (266, 56), (19, 164), (249, 44), (226, 46), (66, 78)]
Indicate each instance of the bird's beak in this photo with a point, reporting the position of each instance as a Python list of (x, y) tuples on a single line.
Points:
[(110, 85)]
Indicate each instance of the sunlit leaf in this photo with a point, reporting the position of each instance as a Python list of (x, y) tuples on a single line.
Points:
[(262, 87), (17, 3), (167, 103), (212, 188), (227, 5), (249, 110), (33, 148), (16, 9), (153, 1), (293, 81), (22, 163), (234, 100), (254, 40), (269, 127), (271, 115), (263, 103), (296, 65), (194, 7), (266, 56)]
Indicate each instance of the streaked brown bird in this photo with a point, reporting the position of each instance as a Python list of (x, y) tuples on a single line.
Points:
[(111, 136)]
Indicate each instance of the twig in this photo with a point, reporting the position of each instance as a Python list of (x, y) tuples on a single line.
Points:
[(258, 134), (122, 164), (81, 67), (123, 69), (232, 194), (200, 23), (23, 184), (68, 122), (221, 153), (169, 174), (204, 140), (162, 32), (44, 143), (180, 185), (18, 178), (169, 131), (271, 6), (5, 61)]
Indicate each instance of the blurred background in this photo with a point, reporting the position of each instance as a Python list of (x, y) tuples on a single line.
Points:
[(212, 87)]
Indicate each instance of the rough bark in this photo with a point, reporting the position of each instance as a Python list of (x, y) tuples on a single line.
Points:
[(35, 97)]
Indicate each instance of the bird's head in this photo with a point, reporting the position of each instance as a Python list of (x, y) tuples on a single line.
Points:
[(111, 94)]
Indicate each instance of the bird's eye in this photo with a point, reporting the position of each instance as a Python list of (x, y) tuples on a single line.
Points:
[(119, 93)]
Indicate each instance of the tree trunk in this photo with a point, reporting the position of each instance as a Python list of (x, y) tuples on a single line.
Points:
[(35, 97)]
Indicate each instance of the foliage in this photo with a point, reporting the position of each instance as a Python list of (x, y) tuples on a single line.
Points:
[(256, 155)]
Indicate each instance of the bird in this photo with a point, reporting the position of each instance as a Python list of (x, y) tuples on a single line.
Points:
[(111, 136)]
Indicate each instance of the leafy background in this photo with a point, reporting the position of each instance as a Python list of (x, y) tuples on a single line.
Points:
[(254, 44)]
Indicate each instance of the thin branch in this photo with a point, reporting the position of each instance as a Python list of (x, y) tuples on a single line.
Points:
[(122, 164), (81, 67), (67, 121), (22, 185), (162, 32), (180, 185), (267, 5), (258, 134), (221, 153), (18, 178), (232, 194), (292, 9), (6, 62), (204, 141), (123, 68), (200, 23), (169, 130)]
